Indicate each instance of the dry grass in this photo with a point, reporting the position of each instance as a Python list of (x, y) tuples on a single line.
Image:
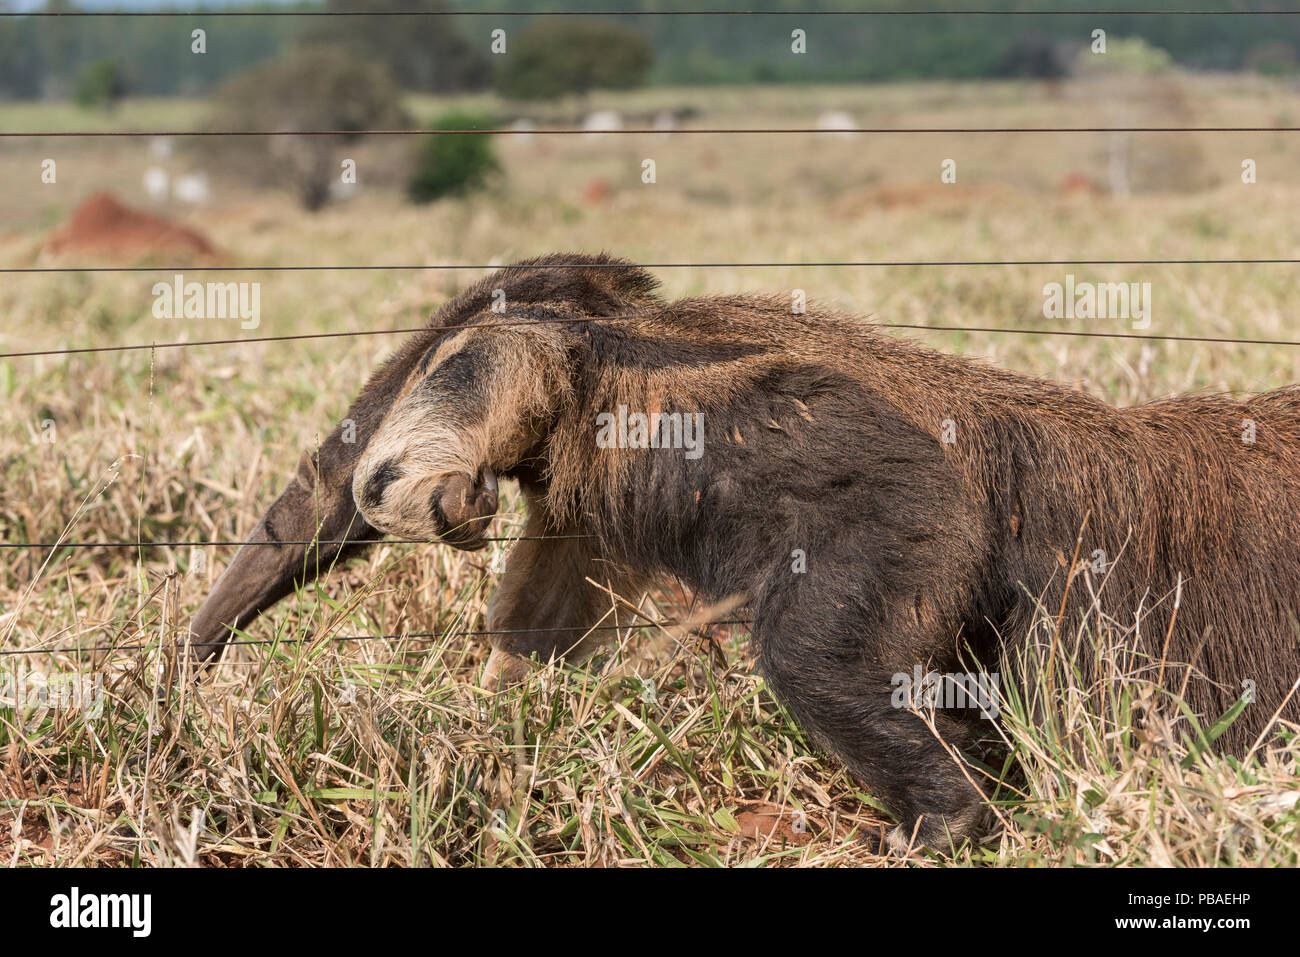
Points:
[(386, 751)]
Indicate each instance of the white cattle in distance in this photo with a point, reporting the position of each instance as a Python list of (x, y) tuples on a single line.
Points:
[(192, 188), (342, 192), (602, 121), (157, 184), (524, 129), (837, 120)]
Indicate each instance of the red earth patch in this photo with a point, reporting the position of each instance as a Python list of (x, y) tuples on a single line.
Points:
[(102, 224)]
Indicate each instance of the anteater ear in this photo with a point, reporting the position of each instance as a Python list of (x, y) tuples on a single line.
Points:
[(307, 474)]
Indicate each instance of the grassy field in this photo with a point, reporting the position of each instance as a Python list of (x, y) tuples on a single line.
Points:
[(667, 750)]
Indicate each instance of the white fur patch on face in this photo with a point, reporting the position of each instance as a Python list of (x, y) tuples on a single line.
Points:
[(474, 408), (396, 478)]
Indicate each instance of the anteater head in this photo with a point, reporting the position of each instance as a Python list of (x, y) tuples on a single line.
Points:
[(420, 449), (295, 541), (478, 405)]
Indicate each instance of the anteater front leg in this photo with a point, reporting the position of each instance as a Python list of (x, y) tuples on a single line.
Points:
[(546, 602), (833, 665)]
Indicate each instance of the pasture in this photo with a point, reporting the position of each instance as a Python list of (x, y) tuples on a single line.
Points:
[(384, 750)]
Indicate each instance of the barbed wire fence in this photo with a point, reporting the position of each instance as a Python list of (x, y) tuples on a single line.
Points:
[(56, 546)]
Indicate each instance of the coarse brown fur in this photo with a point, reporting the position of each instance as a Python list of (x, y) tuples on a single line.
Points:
[(936, 501)]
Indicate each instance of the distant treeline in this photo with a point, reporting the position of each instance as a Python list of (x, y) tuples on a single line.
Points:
[(47, 56)]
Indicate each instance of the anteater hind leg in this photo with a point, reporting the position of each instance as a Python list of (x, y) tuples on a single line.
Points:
[(831, 667)]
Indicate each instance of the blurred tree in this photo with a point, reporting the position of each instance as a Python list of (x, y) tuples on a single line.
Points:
[(44, 57), (1274, 58), (557, 56), (311, 88), (62, 48), (101, 84), (423, 52), (21, 68), (1032, 55), (453, 165)]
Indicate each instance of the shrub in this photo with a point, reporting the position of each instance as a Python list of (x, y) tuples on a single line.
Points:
[(1125, 56), (453, 165), (100, 84)]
